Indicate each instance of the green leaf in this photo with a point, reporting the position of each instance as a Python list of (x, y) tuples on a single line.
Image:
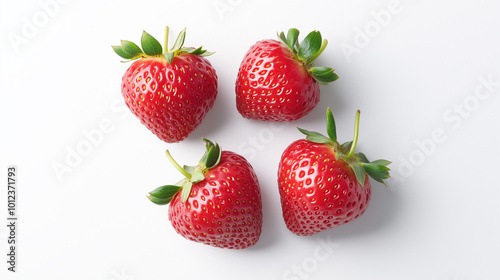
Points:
[(360, 173), (323, 75), (198, 51), (310, 45), (282, 37), (363, 158), (380, 181), (189, 169), (164, 194), (165, 191), (150, 45), (292, 38), (179, 42), (208, 146), (376, 171), (131, 48), (308, 132), (344, 148), (197, 176), (315, 137), (206, 53), (321, 139), (319, 52), (169, 56), (330, 125), (381, 162), (208, 143), (186, 191), (213, 156), (159, 201), (182, 182), (119, 51)]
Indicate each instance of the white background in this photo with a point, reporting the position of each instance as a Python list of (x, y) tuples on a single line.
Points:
[(425, 75)]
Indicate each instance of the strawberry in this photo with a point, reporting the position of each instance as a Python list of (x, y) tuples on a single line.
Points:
[(276, 79), (218, 203), (170, 91), (323, 184)]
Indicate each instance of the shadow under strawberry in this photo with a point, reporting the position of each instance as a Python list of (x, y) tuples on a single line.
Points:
[(215, 120), (385, 206)]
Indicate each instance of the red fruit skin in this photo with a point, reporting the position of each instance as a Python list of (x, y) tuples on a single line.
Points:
[(171, 100), (317, 192), (273, 86), (225, 209)]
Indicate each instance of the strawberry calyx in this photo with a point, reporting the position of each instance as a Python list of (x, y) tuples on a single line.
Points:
[(193, 174), (358, 162), (307, 51), (152, 48)]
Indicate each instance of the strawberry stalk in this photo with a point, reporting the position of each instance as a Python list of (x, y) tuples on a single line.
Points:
[(177, 166), (193, 174), (165, 39), (355, 137), (358, 162)]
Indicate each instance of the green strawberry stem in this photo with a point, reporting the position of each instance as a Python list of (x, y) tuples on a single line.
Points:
[(358, 162), (177, 166), (193, 174), (355, 138), (165, 40)]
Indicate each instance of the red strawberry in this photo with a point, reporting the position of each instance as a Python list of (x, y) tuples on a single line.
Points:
[(277, 81), (218, 203), (170, 91), (323, 184)]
